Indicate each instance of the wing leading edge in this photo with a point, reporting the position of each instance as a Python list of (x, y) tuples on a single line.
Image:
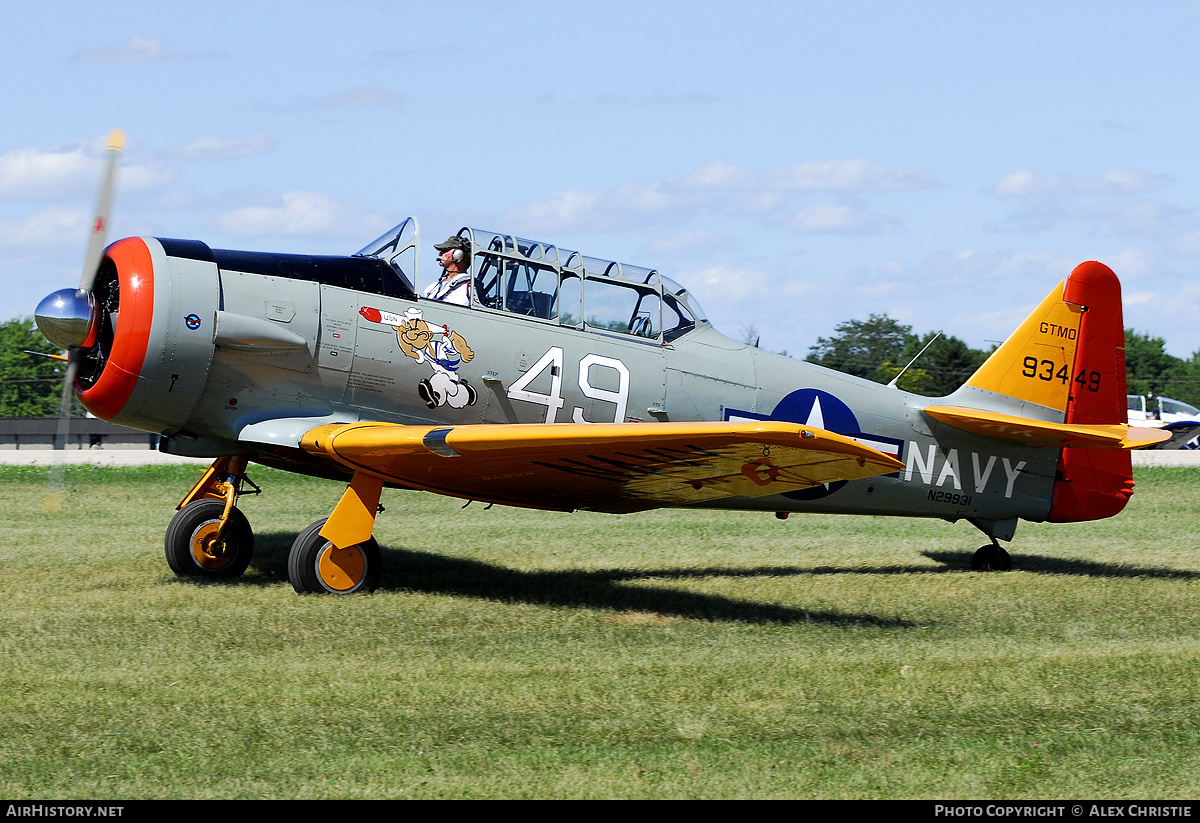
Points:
[(611, 467)]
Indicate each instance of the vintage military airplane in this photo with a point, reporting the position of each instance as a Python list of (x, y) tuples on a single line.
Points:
[(567, 382)]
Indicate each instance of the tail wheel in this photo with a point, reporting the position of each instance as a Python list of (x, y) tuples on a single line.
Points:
[(316, 566), (991, 559), (193, 549)]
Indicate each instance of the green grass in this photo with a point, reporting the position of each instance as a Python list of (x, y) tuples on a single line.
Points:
[(668, 654)]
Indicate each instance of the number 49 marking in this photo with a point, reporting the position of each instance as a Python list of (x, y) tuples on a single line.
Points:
[(553, 360)]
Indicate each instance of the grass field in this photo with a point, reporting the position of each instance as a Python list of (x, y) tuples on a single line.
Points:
[(678, 654)]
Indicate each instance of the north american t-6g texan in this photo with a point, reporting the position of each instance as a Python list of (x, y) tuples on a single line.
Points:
[(562, 382)]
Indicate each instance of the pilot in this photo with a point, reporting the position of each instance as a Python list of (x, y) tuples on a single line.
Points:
[(454, 286)]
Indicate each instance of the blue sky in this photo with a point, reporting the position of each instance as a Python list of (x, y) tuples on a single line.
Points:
[(795, 164)]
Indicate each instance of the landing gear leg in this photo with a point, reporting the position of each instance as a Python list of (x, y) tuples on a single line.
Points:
[(209, 537)]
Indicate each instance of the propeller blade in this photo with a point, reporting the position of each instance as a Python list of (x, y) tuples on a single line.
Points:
[(61, 357), (73, 324), (53, 499), (95, 249)]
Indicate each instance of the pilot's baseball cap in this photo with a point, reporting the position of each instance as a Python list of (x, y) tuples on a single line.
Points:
[(455, 242)]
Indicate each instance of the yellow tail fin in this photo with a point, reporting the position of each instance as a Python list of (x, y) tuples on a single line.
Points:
[(1034, 363)]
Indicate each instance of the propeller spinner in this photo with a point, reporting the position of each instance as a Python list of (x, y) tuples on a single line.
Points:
[(67, 318)]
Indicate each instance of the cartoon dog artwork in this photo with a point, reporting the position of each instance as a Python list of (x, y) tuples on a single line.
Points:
[(444, 350)]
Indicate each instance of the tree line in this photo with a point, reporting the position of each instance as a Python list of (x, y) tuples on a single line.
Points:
[(30, 386), (876, 349)]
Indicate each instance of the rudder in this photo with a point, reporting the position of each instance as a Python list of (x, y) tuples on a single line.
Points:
[(1092, 484)]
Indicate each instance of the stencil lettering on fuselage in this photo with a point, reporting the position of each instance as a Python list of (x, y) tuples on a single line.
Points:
[(945, 469), (822, 410)]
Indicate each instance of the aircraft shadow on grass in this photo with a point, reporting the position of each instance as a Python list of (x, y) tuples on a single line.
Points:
[(1043, 564), (413, 570)]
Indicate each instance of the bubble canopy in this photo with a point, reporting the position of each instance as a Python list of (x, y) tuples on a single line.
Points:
[(552, 285)]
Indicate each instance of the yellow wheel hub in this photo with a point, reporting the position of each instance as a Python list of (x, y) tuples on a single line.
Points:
[(341, 569), (206, 551)]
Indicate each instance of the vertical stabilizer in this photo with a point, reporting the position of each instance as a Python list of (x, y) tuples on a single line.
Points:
[(1034, 363), (1066, 364)]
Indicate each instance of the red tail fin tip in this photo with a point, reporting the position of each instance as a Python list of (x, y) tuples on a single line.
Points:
[(1094, 484)]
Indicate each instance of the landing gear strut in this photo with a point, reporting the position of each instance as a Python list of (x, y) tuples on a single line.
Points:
[(209, 537)]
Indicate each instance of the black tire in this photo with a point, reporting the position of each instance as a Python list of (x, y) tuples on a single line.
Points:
[(316, 566), (991, 559), (189, 544)]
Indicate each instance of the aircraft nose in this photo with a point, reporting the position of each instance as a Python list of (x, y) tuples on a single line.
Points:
[(67, 317)]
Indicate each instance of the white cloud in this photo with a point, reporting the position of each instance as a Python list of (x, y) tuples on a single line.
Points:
[(359, 97), (138, 50), (1126, 217), (297, 214), (627, 206), (1139, 218), (46, 229), (1188, 245), (849, 175), (223, 148), (1132, 264), (37, 174), (688, 242), (833, 218), (1028, 183), (658, 97), (858, 174), (1139, 298), (721, 187), (732, 283), (69, 171)]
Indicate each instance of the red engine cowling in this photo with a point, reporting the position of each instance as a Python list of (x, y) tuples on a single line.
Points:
[(152, 347)]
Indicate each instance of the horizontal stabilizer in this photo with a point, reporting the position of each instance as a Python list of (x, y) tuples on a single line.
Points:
[(613, 467), (1044, 433)]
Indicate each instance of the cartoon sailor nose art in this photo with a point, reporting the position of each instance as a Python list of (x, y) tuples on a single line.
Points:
[(442, 348)]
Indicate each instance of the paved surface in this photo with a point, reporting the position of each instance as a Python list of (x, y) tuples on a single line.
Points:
[(97, 457), (145, 457), (1167, 458)]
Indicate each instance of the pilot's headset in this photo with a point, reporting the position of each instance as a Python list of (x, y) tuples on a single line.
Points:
[(456, 243)]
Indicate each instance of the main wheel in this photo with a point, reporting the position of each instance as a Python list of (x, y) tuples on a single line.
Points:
[(191, 541), (316, 566), (991, 559)]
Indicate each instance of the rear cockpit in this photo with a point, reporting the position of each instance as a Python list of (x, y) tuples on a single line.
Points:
[(555, 286)]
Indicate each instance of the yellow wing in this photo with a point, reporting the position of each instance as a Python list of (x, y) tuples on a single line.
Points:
[(615, 467)]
